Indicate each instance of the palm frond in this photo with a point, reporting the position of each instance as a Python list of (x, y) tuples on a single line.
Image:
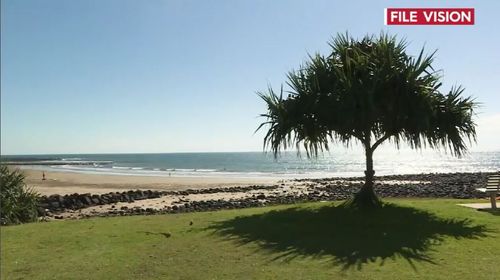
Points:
[(368, 90)]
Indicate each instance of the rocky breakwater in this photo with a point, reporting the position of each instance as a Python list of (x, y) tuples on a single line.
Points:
[(257, 200), (448, 185), (59, 203)]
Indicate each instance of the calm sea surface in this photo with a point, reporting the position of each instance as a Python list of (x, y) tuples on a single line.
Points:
[(251, 164)]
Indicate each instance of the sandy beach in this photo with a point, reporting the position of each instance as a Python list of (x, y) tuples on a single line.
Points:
[(71, 182)]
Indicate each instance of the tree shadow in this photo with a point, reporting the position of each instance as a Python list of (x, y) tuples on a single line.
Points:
[(494, 212), (350, 237)]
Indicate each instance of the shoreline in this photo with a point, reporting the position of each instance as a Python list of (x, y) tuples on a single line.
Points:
[(72, 182)]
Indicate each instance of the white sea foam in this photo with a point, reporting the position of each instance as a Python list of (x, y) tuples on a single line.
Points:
[(120, 167)]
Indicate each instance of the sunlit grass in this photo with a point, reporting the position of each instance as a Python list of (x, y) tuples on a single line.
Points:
[(407, 239)]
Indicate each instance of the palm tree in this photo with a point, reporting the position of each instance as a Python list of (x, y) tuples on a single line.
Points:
[(371, 91)]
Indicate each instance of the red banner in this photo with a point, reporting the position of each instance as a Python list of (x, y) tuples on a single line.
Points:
[(429, 16)]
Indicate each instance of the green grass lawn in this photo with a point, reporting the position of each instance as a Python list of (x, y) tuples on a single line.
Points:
[(407, 239)]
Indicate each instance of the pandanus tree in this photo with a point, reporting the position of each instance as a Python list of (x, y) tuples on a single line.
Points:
[(371, 91)]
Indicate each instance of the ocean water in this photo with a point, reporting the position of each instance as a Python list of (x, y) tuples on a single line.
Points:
[(252, 164)]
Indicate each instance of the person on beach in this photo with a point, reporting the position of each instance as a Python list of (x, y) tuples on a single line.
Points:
[(43, 175)]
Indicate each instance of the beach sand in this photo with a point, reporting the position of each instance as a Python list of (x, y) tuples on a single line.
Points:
[(70, 182)]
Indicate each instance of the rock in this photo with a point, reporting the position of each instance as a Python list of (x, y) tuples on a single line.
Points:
[(86, 200), (54, 204)]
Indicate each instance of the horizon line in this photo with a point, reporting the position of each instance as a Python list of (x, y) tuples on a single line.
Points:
[(219, 152)]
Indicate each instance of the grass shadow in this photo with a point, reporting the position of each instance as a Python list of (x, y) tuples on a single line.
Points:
[(494, 212), (350, 237), (164, 234)]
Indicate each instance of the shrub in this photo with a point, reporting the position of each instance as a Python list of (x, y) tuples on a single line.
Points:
[(18, 202)]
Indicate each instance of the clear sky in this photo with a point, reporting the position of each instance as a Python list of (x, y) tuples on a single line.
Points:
[(106, 76)]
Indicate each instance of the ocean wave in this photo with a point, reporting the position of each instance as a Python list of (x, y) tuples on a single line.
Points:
[(120, 167)]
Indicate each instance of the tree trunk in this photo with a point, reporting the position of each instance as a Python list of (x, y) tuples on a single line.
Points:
[(366, 197)]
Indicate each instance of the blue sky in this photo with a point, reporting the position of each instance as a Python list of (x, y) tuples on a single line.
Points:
[(107, 76)]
